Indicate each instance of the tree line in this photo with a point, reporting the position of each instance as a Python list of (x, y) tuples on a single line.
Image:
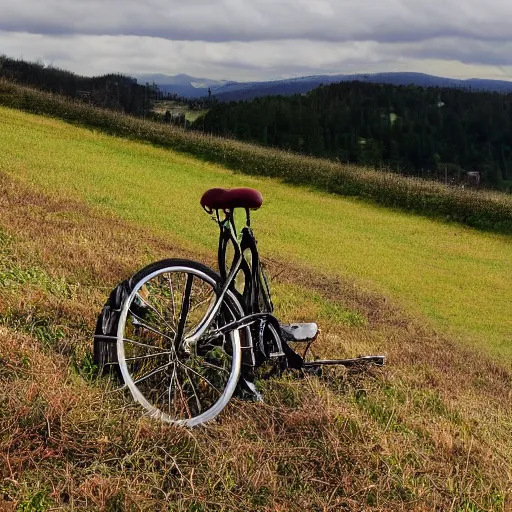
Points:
[(113, 91), (437, 133)]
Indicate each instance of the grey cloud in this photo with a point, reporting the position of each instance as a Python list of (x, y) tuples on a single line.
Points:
[(250, 20), (462, 50)]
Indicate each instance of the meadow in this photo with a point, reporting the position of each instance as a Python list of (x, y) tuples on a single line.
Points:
[(482, 209), (80, 210), (177, 108), (457, 277)]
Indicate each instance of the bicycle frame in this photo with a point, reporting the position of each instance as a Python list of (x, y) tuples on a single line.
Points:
[(257, 300), (256, 291), (228, 313)]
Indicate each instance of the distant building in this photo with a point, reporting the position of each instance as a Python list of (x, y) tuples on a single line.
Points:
[(473, 178)]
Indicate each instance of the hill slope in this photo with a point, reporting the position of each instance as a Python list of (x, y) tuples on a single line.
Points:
[(430, 431), (442, 271), (485, 210)]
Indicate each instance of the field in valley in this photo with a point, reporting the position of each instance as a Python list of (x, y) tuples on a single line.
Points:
[(79, 211), (177, 108)]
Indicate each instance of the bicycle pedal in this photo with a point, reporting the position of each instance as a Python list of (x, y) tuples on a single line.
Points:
[(299, 332), (275, 355)]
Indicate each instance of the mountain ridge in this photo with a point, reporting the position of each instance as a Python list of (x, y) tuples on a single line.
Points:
[(224, 90)]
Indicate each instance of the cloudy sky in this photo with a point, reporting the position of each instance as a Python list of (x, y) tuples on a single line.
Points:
[(262, 39)]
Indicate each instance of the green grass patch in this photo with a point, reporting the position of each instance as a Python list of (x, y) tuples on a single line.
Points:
[(290, 301), (489, 211), (36, 502), (13, 275)]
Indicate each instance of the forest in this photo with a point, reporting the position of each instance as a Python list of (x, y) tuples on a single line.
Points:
[(114, 91), (433, 133)]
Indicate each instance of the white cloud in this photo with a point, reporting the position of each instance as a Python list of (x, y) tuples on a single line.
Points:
[(259, 60)]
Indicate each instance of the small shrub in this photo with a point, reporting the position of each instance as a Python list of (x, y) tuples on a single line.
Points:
[(37, 502)]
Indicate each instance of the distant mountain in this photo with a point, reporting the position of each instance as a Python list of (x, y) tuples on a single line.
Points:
[(183, 85), (191, 87), (235, 91)]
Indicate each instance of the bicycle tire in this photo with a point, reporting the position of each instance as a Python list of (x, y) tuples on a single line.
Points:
[(147, 323)]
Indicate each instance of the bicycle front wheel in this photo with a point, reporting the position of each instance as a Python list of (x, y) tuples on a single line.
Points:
[(175, 382)]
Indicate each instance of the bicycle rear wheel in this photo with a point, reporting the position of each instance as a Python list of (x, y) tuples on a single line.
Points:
[(175, 382)]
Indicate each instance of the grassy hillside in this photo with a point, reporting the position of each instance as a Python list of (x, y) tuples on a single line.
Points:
[(79, 211), (429, 432), (485, 210), (457, 277)]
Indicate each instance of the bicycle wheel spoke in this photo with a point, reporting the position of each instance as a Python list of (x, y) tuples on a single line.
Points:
[(150, 306), (148, 356), (183, 399), (141, 323), (127, 340), (210, 365), (169, 280), (173, 377), (185, 305), (200, 376), (165, 391), (194, 391), (150, 374)]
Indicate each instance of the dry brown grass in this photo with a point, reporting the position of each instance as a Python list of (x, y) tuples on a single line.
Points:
[(429, 432)]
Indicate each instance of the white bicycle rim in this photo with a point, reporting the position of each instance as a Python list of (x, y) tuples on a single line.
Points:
[(229, 389)]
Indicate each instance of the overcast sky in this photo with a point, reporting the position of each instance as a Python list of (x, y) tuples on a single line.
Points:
[(262, 39)]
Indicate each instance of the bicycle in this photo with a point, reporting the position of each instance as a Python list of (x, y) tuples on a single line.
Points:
[(184, 338)]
